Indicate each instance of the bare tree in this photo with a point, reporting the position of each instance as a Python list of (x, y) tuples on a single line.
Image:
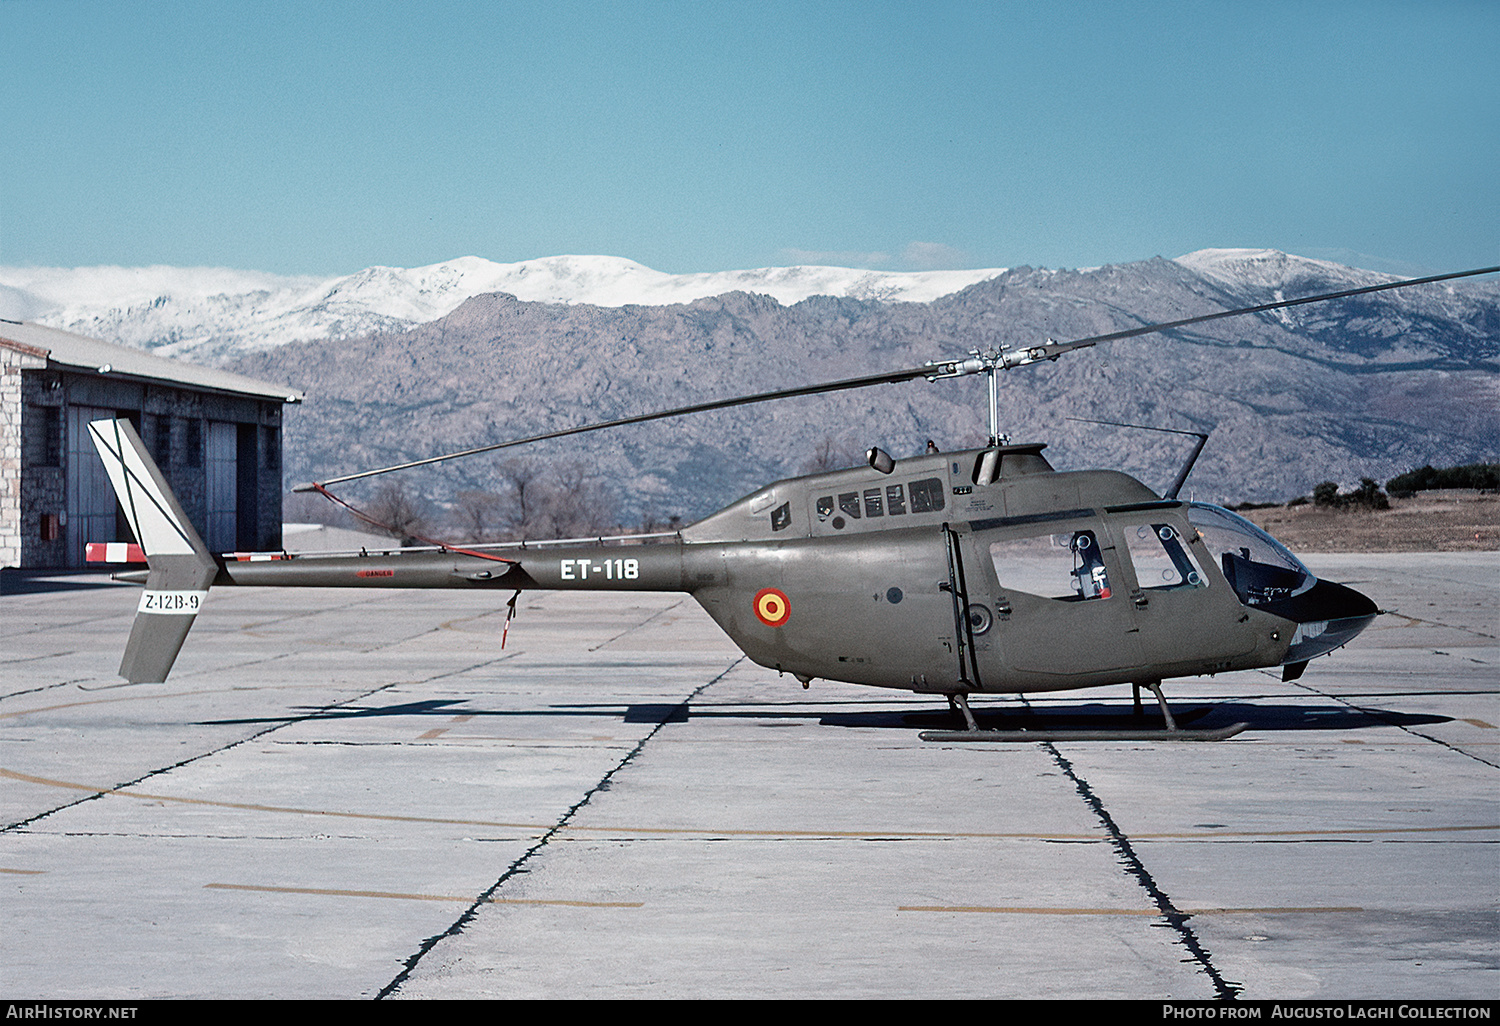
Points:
[(580, 503), (309, 508), (833, 454), (400, 512), (477, 515), (523, 517), (562, 502)]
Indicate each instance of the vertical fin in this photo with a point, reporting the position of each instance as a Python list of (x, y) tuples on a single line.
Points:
[(179, 566)]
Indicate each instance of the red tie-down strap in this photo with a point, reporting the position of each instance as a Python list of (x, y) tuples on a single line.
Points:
[(390, 530)]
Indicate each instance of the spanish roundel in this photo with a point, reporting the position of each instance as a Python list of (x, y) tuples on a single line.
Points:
[(772, 607)]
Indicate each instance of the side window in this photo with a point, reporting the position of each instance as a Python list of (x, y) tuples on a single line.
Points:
[(895, 500), (1067, 567), (926, 496), (849, 504), (873, 507), (1161, 558), (825, 508)]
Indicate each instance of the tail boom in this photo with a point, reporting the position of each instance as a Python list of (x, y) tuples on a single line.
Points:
[(597, 567), (180, 569)]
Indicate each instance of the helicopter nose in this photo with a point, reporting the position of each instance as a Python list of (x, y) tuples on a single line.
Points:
[(1328, 616)]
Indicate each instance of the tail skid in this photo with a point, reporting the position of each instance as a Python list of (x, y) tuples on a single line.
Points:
[(180, 567)]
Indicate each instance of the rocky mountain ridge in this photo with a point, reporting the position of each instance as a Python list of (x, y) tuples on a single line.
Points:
[(1367, 386)]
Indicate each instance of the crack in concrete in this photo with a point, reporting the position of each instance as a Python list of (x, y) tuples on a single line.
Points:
[(1417, 621), (518, 866), (44, 687), (1125, 851), (653, 616), (1388, 720), (314, 714)]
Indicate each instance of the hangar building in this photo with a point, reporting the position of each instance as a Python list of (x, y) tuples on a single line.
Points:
[(215, 435)]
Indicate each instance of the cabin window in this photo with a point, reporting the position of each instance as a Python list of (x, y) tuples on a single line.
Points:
[(1161, 558), (1067, 567), (873, 504), (781, 517), (825, 508), (926, 495), (895, 500), (849, 503)]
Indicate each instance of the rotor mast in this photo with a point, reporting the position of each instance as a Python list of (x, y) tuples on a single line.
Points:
[(990, 362)]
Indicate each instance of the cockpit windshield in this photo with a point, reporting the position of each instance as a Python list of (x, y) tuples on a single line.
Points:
[(1258, 567)]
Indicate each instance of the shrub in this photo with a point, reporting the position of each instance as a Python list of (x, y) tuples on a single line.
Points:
[(1473, 475), (1367, 496)]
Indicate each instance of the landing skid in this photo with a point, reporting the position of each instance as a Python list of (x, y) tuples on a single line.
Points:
[(1217, 734), (959, 703)]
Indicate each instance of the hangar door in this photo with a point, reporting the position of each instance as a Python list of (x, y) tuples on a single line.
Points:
[(91, 498), (222, 466)]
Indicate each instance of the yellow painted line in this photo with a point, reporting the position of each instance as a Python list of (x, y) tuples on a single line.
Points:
[(530, 827), (104, 701), (1362, 831), (150, 696), (1019, 910), (420, 897), (649, 831), (1479, 723), (435, 732), (23, 872), (646, 831), (533, 827), (1185, 835)]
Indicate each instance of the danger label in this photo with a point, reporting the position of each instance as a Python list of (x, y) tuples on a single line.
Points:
[(171, 601), (772, 607)]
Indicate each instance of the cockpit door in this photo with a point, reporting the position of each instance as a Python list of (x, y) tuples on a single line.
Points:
[(1183, 610), (1059, 604)]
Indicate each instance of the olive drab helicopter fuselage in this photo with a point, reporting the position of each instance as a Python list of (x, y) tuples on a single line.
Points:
[(983, 571)]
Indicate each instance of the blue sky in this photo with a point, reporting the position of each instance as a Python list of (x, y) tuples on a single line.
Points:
[(323, 138)]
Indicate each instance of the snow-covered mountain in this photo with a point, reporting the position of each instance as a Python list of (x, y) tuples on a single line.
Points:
[(208, 314), (1240, 269), (400, 363), (1369, 386)]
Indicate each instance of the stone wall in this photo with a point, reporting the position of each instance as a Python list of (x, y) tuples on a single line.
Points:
[(172, 422), (44, 477), (13, 364)]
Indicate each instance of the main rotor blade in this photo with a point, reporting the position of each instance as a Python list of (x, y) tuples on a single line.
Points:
[(893, 377), (1054, 349), (931, 371)]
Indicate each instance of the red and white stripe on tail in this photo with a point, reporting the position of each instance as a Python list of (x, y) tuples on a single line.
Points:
[(114, 552)]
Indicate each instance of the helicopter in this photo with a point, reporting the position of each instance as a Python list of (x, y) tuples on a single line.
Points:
[(979, 571)]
